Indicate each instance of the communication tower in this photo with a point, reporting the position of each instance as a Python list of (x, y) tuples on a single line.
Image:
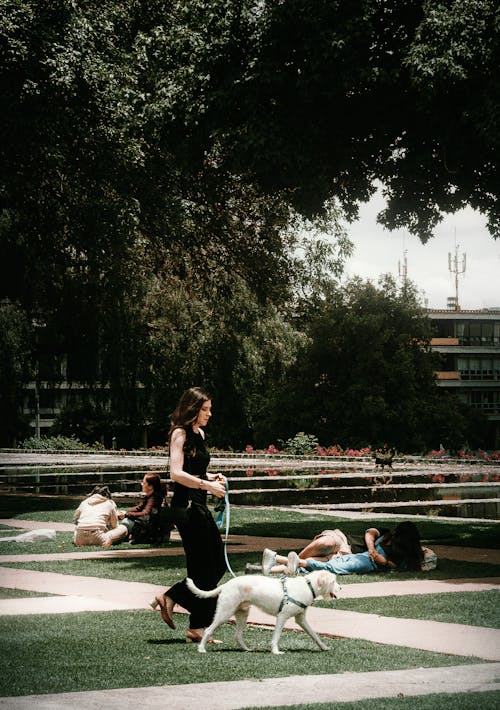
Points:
[(456, 267), (403, 268)]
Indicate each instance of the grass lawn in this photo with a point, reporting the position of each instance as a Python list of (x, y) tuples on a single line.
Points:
[(57, 653), (473, 608), (274, 522), (469, 701), (168, 570)]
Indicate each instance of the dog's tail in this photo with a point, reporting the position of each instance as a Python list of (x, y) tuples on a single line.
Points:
[(201, 592)]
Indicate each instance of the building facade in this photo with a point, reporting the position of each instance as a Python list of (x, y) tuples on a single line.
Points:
[(469, 345)]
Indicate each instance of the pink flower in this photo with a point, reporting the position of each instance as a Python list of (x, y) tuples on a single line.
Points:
[(271, 449)]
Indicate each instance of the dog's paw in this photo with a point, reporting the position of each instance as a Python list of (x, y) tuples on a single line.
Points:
[(277, 652), (201, 650)]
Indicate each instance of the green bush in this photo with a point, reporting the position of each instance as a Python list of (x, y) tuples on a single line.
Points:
[(57, 442), (301, 444)]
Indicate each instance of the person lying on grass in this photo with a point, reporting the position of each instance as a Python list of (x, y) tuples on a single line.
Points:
[(396, 549)]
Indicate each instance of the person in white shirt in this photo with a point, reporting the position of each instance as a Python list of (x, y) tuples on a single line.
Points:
[(96, 520)]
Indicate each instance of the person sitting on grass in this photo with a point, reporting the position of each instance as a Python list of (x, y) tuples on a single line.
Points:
[(399, 549), (137, 524), (96, 519)]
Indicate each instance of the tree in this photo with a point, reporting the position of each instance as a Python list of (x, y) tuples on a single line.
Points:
[(176, 142), (367, 375), (16, 340), (319, 100), (97, 201)]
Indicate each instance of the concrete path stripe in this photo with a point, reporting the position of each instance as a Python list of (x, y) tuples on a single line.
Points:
[(293, 690), (417, 586), (125, 595), (56, 583), (435, 636), (55, 605), (35, 524), (467, 554)]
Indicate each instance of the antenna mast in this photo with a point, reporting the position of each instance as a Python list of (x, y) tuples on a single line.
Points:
[(403, 268), (456, 267)]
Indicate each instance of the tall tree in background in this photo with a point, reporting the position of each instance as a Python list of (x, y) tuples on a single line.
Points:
[(174, 143), (366, 375), (16, 367)]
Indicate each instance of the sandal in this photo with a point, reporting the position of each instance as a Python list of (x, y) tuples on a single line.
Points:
[(161, 602), (193, 637)]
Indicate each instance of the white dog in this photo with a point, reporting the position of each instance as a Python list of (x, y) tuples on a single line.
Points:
[(283, 598)]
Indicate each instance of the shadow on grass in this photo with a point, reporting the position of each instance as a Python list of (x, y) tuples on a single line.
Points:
[(274, 522)]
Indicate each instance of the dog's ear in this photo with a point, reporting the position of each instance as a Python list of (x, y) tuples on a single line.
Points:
[(324, 579), (327, 585)]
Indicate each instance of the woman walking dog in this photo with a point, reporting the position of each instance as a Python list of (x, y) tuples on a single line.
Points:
[(189, 459)]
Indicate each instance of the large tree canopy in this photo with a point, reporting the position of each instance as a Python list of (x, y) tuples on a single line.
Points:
[(173, 147), (123, 119), (319, 99)]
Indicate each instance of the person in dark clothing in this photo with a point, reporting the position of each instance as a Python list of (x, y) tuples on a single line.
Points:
[(201, 538), (138, 519)]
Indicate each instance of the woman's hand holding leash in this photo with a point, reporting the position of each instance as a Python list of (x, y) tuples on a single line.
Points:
[(218, 480), (215, 487)]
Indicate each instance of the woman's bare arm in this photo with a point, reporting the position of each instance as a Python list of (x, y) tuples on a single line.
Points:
[(178, 474)]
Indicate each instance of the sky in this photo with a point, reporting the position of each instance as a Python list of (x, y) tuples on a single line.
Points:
[(379, 251)]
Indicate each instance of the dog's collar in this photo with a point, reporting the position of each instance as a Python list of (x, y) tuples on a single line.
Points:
[(287, 598)]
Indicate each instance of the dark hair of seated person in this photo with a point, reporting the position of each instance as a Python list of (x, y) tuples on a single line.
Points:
[(405, 546), (100, 490)]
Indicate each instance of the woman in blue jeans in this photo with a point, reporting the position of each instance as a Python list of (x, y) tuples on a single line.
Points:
[(396, 549)]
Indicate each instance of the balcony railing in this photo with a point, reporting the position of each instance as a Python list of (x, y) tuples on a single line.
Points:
[(443, 341)]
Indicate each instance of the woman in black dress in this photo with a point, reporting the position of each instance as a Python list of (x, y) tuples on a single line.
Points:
[(189, 459)]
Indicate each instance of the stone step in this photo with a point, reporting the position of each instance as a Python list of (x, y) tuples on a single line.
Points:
[(352, 484), (332, 488), (269, 478)]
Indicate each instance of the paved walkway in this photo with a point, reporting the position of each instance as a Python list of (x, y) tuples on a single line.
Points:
[(293, 690), (106, 594)]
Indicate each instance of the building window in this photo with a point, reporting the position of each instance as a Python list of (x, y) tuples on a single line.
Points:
[(477, 368), (486, 402)]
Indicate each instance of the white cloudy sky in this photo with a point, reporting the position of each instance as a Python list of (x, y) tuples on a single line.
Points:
[(379, 251)]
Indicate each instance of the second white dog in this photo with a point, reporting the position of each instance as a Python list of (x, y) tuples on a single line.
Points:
[(282, 599)]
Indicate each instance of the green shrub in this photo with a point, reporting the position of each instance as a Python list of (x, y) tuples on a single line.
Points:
[(57, 442), (301, 444)]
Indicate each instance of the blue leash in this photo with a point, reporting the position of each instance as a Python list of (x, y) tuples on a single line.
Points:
[(219, 523)]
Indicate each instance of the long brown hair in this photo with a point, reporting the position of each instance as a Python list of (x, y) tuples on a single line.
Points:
[(188, 408), (406, 549), (158, 494)]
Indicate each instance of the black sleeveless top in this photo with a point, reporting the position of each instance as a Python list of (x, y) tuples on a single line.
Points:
[(196, 460)]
